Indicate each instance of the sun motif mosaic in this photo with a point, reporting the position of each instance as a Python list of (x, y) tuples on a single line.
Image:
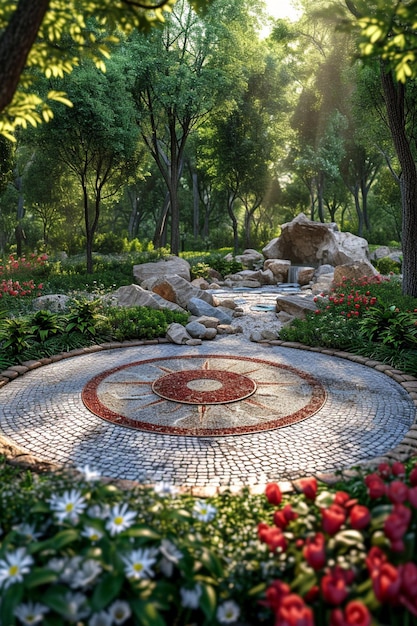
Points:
[(204, 395)]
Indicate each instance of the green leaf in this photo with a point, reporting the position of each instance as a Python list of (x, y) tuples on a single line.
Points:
[(10, 598), (147, 614), (208, 601), (212, 563), (54, 598), (105, 591), (142, 531), (40, 576), (61, 539)]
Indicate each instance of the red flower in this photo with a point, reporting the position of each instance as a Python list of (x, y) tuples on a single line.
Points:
[(333, 588), (294, 612), (314, 551), (386, 582), (376, 486), (312, 594), (375, 559), (413, 476), (356, 614), (395, 526), (272, 536), (412, 496), (273, 493), (275, 593), (397, 492), (341, 497), (398, 469), (309, 487), (283, 517), (332, 518), (384, 470), (408, 595), (359, 517)]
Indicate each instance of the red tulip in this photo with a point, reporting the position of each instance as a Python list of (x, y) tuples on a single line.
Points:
[(386, 583), (360, 517), (396, 524), (397, 492), (275, 593), (314, 551), (384, 470), (272, 536), (356, 614), (294, 612), (376, 486), (375, 559), (332, 518), (284, 516), (408, 593), (309, 487), (273, 493), (398, 469), (412, 496), (333, 588), (413, 477)]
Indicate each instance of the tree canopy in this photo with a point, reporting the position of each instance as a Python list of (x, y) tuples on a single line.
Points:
[(49, 37)]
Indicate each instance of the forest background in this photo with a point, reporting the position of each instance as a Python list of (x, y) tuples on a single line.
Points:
[(206, 133)]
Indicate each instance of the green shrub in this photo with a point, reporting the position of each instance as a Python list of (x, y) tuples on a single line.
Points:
[(140, 322), (387, 266)]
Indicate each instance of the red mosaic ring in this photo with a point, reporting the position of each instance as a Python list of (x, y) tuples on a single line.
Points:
[(204, 387), (204, 396)]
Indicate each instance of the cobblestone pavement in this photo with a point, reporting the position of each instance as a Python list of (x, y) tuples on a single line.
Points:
[(366, 414)]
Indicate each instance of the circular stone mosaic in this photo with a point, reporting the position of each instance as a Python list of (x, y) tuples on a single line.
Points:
[(204, 395)]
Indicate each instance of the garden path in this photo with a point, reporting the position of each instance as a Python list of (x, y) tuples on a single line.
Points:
[(224, 414)]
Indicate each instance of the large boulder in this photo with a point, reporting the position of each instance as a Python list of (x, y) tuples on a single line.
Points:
[(177, 289), (134, 295), (354, 272), (200, 308), (164, 267), (54, 302), (297, 306), (305, 242)]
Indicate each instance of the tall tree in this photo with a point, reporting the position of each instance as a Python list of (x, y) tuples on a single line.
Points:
[(44, 37), (395, 88), (183, 74), (96, 140)]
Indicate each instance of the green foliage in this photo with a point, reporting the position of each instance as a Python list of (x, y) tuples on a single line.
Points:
[(84, 317), (140, 322), (15, 335), (360, 317), (44, 325), (386, 266), (390, 326)]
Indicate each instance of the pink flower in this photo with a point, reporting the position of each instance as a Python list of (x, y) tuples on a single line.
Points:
[(398, 469), (408, 595)]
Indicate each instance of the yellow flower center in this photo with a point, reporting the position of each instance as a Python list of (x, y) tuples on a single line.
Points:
[(138, 567), (118, 520), (69, 507), (13, 570)]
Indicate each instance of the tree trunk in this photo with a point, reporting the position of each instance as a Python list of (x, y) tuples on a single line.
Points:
[(15, 44), (196, 206), (230, 202), (394, 94), (160, 227)]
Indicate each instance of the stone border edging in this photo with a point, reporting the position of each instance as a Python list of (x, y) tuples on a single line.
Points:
[(406, 449)]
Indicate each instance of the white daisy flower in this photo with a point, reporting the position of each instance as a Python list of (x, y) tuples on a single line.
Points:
[(164, 489), (86, 575), (30, 613), (69, 505), (120, 518), (97, 511), (28, 531), (171, 556), (139, 563), (76, 607), (13, 566), (56, 564), (100, 619), (204, 511), (91, 533), (120, 611), (89, 475), (190, 598), (228, 612)]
